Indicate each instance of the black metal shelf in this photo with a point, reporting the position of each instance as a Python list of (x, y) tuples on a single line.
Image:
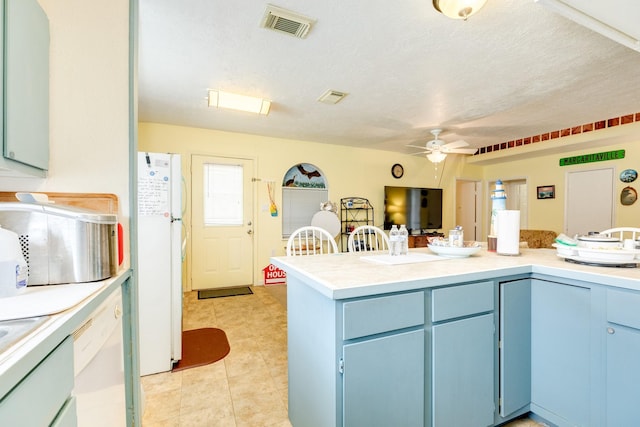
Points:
[(354, 212)]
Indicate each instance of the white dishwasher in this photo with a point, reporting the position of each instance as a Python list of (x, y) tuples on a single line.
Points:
[(99, 366)]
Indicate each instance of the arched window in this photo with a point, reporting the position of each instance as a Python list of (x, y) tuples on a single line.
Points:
[(304, 188)]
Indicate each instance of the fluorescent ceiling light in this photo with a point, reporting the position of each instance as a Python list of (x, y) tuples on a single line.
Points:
[(436, 156), (458, 9), (593, 23), (233, 101)]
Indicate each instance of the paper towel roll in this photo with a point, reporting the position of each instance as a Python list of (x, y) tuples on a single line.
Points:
[(508, 232)]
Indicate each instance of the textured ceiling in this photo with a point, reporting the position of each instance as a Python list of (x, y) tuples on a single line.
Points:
[(513, 70)]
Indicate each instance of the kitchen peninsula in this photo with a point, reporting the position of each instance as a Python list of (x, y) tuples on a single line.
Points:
[(467, 342)]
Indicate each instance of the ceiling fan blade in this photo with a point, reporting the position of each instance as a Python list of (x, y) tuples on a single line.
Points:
[(461, 151), (420, 153), (422, 147), (456, 144)]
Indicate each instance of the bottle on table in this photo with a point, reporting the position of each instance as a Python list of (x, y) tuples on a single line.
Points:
[(394, 237), (404, 240)]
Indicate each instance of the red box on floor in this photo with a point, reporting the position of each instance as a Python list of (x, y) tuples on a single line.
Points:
[(274, 276)]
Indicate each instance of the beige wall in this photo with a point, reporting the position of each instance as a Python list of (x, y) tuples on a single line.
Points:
[(349, 172), (541, 167), (364, 172), (89, 98)]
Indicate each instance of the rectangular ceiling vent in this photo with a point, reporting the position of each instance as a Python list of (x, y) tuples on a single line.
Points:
[(285, 21), (332, 97)]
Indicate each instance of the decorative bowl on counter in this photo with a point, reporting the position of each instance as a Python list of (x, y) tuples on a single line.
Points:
[(455, 251), (615, 254), (566, 250), (599, 241)]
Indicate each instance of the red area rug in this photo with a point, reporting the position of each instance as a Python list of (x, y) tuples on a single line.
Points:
[(201, 347)]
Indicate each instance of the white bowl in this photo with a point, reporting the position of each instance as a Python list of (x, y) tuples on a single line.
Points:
[(565, 249), (619, 255), (454, 251)]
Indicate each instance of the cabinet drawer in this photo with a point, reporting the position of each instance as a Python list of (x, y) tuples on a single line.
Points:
[(377, 315), (623, 308), (463, 300), (37, 399)]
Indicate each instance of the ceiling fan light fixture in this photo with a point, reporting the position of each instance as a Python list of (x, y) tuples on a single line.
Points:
[(234, 101), (436, 156), (458, 9)]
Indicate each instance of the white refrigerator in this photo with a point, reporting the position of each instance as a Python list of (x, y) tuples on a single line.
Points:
[(160, 256)]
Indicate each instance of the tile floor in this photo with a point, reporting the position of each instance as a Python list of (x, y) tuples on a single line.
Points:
[(248, 388)]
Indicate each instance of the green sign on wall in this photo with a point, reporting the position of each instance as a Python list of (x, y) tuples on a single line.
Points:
[(590, 158)]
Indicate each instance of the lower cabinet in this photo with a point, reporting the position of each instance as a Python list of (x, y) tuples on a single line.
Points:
[(463, 373), (383, 381), (514, 348), (46, 391), (463, 352), (623, 350), (561, 352)]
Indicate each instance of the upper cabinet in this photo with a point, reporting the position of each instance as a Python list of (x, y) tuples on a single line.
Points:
[(25, 92)]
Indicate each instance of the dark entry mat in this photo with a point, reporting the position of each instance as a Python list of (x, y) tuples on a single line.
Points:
[(228, 292)]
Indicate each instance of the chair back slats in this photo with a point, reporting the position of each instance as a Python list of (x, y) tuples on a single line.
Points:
[(368, 238), (311, 240)]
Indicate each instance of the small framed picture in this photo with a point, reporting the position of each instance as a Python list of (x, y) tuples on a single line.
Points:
[(547, 192)]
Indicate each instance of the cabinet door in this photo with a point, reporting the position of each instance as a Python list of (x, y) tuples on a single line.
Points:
[(383, 381), (515, 345), (26, 88), (463, 372), (560, 350), (623, 376)]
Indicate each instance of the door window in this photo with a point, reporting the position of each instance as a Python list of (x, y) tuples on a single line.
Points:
[(223, 194)]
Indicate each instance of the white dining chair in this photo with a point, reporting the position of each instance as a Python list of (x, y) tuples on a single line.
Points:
[(623, 233), (311, 240), (368, 238)]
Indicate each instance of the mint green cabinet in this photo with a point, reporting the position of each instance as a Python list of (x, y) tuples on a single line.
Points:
[(25, 92), (623, 350), (514, 347), (463, 352), (383, 361), (40, 397), (561, 352), (383, 381)]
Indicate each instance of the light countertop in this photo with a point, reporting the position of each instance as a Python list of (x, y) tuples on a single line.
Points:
[(346, 275), (18, 360)]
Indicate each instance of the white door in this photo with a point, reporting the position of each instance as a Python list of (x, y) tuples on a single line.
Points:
[(222, 222), (468, 208), (589, 201)]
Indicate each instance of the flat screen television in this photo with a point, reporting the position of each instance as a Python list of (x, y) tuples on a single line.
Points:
[(417, 208)]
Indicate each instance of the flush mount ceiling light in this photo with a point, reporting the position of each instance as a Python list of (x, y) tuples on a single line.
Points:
[(233, 101), (458, 9), (436, 156)]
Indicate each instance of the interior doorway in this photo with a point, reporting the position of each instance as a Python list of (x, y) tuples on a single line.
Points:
[(517, 198), (469, 208)]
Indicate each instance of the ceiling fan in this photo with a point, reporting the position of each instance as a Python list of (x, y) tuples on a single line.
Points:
[(437, 150)]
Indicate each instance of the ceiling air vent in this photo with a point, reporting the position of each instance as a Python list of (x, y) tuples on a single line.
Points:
[(285, 21), (332, 97)]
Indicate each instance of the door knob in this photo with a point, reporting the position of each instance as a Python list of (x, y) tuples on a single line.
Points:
[(611, 331), (249, 231)]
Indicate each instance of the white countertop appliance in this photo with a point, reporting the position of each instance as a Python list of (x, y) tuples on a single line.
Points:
[(160, 249), (63, 244)]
